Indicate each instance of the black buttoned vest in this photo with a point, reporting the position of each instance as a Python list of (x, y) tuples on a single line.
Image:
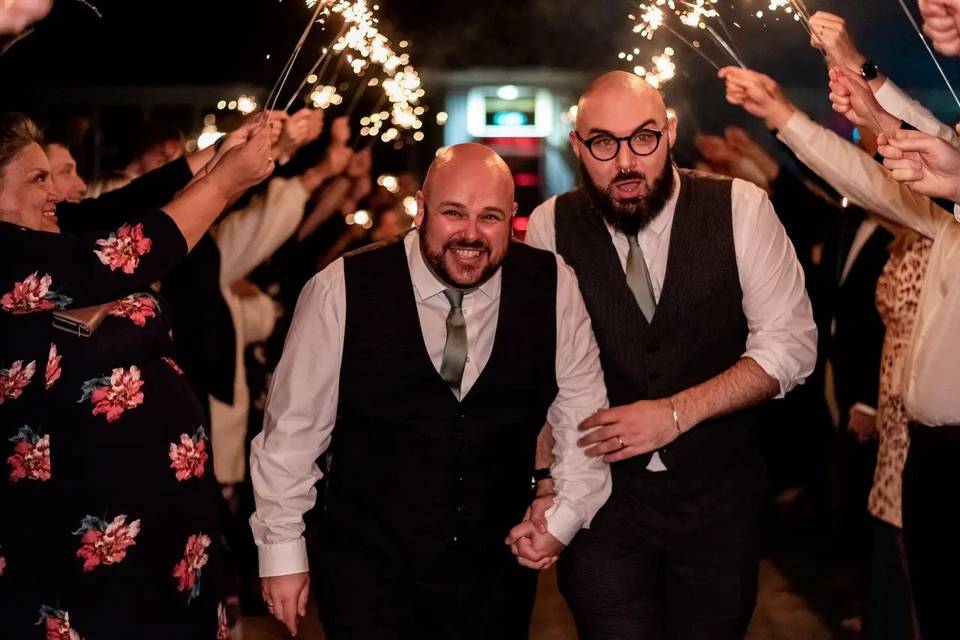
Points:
[(413, 469), (698, 331)]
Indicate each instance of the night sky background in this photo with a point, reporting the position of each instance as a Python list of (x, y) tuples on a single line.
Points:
[(186, 42)]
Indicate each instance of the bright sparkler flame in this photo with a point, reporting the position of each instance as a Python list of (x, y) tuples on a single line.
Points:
[(697, 11), (663, 69)]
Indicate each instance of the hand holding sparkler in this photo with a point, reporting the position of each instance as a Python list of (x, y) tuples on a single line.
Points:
[(928, 164), (360, 164), (941, 22), (829, 33), (17, 15), (851, 96), (244, 165), (758, 94), (340, 131), (300, 129)]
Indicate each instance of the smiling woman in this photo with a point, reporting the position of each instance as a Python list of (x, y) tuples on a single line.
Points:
[(27, 195), (109, 500)]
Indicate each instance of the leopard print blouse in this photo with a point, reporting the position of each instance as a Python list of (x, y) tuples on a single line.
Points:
[(898, 297)]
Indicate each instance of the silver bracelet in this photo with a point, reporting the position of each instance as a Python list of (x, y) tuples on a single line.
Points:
[(676, 416)]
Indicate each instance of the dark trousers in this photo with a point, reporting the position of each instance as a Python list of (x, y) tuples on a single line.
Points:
[(459, 596), (931, 526), (890, 613), (661, 562)]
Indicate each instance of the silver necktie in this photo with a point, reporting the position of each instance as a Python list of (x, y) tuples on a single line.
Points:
[(638, 279), (455, 349)]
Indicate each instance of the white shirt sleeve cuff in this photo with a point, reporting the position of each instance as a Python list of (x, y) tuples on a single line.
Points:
[(563, 521), (283, 558), (956, 212), (865, 409)]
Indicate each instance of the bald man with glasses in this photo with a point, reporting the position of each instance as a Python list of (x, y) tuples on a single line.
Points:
[(699, 308)]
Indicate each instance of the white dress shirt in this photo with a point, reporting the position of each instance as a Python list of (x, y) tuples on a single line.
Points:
[(932, 364), (782, 335), (897, 103), (302, 405)]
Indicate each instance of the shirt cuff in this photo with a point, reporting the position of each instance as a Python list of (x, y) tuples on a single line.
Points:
[(864, 408), (283, 558), (798, 127), (563, 521), (956, 212)]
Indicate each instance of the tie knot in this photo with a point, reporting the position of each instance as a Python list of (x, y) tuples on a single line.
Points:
[(455, 297), (633, 241)]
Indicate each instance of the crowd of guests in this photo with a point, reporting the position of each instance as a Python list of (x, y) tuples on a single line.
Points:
[(144, 311), (161, 305)]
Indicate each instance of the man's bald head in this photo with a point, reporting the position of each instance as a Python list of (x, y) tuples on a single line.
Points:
[(469, 162), (620, 89), (465, 213), (622, 139)]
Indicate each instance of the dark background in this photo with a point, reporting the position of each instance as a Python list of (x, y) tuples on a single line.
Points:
[(141, 44)]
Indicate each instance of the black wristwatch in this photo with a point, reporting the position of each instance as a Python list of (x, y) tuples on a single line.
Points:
[(869, 71), (542, 474)]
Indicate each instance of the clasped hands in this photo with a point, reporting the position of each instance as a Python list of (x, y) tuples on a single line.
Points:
[(615, 434)]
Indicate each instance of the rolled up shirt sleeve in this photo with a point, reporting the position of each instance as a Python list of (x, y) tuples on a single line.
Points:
[(298, 424), (583, 484), (782, 336)]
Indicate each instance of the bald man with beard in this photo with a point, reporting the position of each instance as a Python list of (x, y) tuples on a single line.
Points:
[(427, 366), (698, 305)]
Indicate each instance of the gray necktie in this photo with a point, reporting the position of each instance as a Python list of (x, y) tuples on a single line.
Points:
[(455, 350), (638, 279)]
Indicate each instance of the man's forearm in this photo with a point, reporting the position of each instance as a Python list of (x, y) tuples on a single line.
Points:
[(743, 385), (545, 442)]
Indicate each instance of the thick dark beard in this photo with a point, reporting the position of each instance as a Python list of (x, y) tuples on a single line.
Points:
[(630, 216), (435, 261)]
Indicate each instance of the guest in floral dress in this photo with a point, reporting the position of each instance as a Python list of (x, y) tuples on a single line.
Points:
[(109, 527)]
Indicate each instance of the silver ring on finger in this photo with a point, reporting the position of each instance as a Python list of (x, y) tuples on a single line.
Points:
[(620, 440)]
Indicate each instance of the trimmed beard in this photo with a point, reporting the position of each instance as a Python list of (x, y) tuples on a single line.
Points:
[(436, 262), (633, 214)]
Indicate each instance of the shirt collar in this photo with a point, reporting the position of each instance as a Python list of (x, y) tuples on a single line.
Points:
[(662, 219), (426, 285)]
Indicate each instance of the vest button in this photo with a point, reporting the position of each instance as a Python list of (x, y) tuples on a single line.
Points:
[(459, 508), (461, 415)]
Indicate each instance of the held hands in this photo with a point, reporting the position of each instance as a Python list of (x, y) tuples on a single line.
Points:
[(828, 32), (286, 598), (926, 163), (758, 94), (629, 430), (530, 541), (941, 22)]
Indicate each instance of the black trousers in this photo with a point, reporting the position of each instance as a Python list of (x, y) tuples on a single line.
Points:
[(461, 595), (661, 562), (931, 526)]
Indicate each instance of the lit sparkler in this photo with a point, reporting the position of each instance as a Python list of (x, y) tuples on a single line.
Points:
[(662, 71)]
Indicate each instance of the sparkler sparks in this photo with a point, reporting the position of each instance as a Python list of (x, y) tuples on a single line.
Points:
[(663, 69)]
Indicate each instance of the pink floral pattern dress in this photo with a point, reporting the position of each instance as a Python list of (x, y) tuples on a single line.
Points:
[(110, 525)]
